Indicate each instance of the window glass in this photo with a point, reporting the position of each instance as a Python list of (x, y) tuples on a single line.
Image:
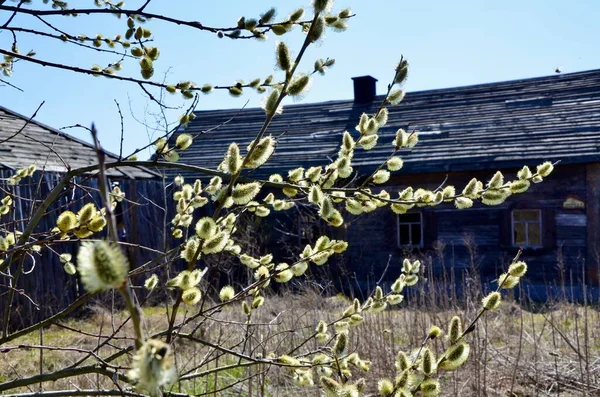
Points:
[(520, 237), (410, 229), (411, 217), (534, 234), (415, 234), (526, 215), (404, 234), (527, 228)]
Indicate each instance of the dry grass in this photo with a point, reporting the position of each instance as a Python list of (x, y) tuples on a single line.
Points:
[(515, 352)]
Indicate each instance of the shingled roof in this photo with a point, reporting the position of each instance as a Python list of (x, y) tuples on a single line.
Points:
[(24, 142), (496, 125)]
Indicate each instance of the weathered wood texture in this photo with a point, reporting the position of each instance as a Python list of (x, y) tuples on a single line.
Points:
[(480, 238), (43, 280), (593, 220), (24, 142), (475, 129), (465, 128)]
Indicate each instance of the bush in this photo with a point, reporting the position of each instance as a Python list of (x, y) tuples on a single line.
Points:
[(136, 359)]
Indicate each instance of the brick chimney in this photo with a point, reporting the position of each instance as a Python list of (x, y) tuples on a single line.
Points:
[(364, 89)]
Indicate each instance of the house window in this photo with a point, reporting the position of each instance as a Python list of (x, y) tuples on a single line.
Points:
[(410, 230), (527, 228)]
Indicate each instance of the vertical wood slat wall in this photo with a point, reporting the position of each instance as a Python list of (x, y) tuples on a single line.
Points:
[(44, 279)]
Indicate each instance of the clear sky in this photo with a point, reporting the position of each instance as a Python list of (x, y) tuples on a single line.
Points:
[(448, 43)]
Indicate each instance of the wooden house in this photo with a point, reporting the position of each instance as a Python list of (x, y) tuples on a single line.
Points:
[(46, 286), (465, 132)]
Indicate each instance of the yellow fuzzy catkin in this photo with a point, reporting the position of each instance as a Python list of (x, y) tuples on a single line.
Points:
[(519, 186), (313, 173), (284, 274), (462, 203), (299, 85), (102, 266), (299, 268), (258, 302), (402, 363), (545, 169), (206, 227), (524, 173), (191, 296), (331, 386), (412, 140), (434, 332), (215, 244), (226, 293), (316, 30), (472, 189), (382, 117), (189, 249), (492, 301), (269, 103), (430, 387), (86, 213), (455, 356), (396, 96), (284, 58), (151, 282), (454, 329), (394, 299), (381, 176), (261, 153), (517, 269), (327, 209), (385, 387), (401, 72), (341, 343), (66, 221), (153, 368), (232, 161), (494, 197), (507, 281), (243, 193), (394, 163), (368, 142), (496, 181), (183, 141), (428, 363)]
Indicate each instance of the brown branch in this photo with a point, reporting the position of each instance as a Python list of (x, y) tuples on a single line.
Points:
[(91, 369), (29, 120), (139, 12), (79, 302), (80, 392)]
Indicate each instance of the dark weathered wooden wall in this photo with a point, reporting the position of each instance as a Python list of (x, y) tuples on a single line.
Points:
[(45, 281), (480, 238)]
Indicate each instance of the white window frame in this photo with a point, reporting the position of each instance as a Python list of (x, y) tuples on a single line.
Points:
[(398, 223), (512, 228)]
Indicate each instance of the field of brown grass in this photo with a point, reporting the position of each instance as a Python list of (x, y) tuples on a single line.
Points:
[(515, 352)]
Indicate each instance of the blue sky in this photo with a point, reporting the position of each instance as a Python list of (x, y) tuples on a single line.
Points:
[(448, 44)]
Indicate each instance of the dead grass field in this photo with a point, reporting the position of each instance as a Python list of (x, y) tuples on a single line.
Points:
[(515, 352)]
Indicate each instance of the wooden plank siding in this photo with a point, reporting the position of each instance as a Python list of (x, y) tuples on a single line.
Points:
[(593, 221), (463, 132), (46, 283), (480, 237)]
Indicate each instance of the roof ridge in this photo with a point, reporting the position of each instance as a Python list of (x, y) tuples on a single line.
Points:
[(54, 130), (526, 80), (31, 121)]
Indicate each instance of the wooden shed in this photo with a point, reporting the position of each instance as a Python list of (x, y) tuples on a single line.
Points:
[(39, 284), (464, 132)]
